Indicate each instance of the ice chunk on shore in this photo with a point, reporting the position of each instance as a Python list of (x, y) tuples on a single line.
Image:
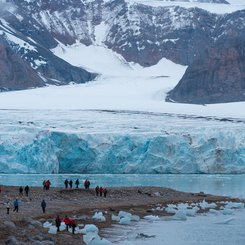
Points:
[(152, 218), (180, 215), (99, 216), (125, 220), (91, 228), (47, 224), (238, 205), (122, 214), (115, 218), (52, 229)]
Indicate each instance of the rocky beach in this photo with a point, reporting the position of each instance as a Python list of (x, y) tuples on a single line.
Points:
[(26, 226)]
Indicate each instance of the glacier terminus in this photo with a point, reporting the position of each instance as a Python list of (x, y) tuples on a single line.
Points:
[(95, 141)]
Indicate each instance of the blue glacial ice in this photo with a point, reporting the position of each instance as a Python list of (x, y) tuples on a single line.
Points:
[(118, 142)]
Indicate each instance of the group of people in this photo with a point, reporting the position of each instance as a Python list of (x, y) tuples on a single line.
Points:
[(26, 189), (100, 191), (77, 182), (70, 223), (16, 206), (46, 184)]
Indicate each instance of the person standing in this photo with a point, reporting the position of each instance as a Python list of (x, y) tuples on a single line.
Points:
[(16, 205), (67, 222), (105, 192), (97, 189), (43, 205), (27, 188), (73, 225), (77, 183), (44, 184), (8, 206), (101, 191), (70, 183), (47, 184), (66, 183), (21, 191), (58, 222)]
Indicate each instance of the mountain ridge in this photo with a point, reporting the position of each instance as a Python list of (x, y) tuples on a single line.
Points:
[(140, 33)]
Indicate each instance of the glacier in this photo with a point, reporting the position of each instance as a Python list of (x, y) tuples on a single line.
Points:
[(83, 141)]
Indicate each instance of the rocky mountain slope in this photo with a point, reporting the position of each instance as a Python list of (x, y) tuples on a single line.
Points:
[(139, 32)]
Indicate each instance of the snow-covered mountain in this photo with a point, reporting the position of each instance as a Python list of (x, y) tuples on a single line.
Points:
[(120, 122), (143, 32)]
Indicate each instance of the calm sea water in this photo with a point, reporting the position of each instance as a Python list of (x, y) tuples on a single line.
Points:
[(228, 184)]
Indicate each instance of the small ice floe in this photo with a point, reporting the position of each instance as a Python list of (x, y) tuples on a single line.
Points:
[(125, 220), (182, 206), (224, 222), (205, 205), (47, 224), (171, 209), (91, 228), (213, 211), (142, 235), (99, 216), (90, 232), (238, 205), (157, 209), (152, 218), (99, 241), (227, 211), (115, 217), (135, 218), (191, 212), (180, 215), (122, 214), (78, 230)]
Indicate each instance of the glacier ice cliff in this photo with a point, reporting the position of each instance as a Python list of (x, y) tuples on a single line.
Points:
[(147, 144)]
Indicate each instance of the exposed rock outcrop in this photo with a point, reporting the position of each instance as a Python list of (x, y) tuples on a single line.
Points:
[(215, 77)]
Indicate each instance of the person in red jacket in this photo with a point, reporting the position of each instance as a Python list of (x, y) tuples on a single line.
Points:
[(73, 225), (101, 191), (67, 222)]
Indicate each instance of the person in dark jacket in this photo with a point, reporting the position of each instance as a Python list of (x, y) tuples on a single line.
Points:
[(105, 192), (70, 183), (16, 205), (21, 191), (66, 183), (43, 205), (77, 183), (58, 222), (97, 189), (27, 188)]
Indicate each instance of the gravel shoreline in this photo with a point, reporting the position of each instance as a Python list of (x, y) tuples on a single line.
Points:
[(25, 226)]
